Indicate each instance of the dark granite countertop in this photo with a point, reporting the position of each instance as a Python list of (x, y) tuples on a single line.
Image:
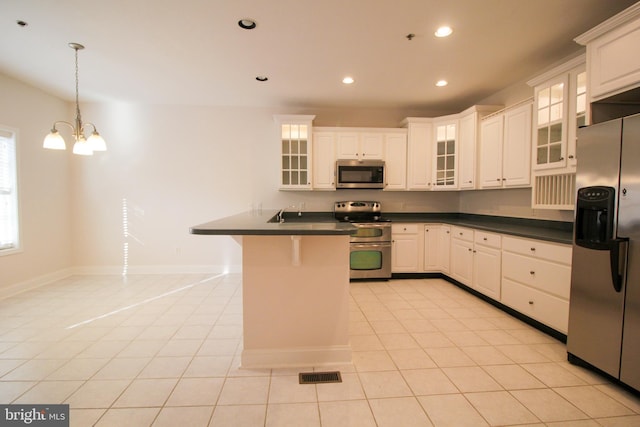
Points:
[(323, 223), (261, 223), (552, 231)]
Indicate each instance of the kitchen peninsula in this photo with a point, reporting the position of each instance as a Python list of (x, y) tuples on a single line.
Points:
[(296, 275), (295, 289)]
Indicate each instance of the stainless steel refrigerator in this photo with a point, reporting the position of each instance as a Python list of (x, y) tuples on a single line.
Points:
[(604, 310)]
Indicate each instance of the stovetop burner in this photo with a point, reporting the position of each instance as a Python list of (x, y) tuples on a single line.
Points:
[(358, 211)]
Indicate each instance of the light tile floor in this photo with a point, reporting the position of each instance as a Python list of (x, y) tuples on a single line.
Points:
[(164, 351)]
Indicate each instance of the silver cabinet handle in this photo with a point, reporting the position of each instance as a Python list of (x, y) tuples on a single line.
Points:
[(532, 272), (530, 302)]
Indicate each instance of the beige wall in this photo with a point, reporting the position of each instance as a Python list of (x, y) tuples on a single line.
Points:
[(511, 203), (44, 188)]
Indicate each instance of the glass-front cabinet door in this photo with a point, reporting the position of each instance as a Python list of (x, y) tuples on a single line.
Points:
[(577, 110), (295, 152), (445, 173), (551, 124)]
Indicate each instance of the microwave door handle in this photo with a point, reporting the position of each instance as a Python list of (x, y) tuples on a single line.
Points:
[(618, 260)]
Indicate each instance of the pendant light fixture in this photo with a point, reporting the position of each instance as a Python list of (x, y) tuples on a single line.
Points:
[(81, 146)]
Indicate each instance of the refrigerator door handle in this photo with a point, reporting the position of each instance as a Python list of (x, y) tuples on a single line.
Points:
[(618, 259)]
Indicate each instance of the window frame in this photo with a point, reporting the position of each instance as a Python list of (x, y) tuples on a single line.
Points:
[(11, 134)]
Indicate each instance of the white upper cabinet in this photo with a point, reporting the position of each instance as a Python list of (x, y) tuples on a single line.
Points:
[(324, 160), (419, 152), (612, 59), (551, 123), (516, 148), (295, 138), (559, 107), (445, 155), (360, 145), (491, 141), (505, 145), (468, 140), (395, 157)]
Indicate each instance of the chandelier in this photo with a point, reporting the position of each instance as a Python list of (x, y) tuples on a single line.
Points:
[(82, 146)]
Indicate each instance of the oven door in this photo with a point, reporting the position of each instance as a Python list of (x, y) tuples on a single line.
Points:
[(370, 260), (371, 232)]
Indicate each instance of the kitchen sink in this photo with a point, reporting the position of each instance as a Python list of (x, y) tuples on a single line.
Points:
[(305, 217)]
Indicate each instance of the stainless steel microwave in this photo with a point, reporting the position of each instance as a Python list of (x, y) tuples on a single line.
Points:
[(360, 174)]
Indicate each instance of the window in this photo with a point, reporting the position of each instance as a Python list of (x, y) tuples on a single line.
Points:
[(9, 236)]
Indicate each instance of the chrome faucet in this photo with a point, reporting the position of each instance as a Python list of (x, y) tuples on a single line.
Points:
[(280, 216)]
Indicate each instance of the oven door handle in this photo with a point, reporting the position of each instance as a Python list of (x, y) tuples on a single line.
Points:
[(371, 225), (370, 245)]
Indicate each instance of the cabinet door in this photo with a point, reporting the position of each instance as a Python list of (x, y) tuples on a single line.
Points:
[(446, 157), (577, 110), (486, 271), (550, 129), (491, 151), (612, 66), (419, 156), (516, 147), (467, 162), (444, 248), (431, 249), (295, 143), (462, 261), (348, 145), (324, 160), (404, 253), (371, 145), (396, 161)]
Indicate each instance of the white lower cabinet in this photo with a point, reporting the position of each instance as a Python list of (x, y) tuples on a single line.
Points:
[(476, 260), (536, 277), (487, 260), (436, 248), (443, 258), (462, 255), (405, 251)]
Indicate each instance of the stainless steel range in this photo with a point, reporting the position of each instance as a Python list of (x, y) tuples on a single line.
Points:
[(370, 254)]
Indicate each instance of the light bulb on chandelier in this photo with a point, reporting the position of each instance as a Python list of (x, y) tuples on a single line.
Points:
[(82, 146)]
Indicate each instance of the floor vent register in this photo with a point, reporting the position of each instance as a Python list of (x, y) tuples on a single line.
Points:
[(319, 377)]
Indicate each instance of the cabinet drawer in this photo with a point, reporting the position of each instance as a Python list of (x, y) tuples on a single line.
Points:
[(548, 309), (540, 274), (404, 228), (462, 233), (488, 239), (538, 249)]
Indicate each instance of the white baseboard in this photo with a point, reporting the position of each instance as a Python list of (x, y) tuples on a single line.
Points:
[(36, 282), (156, 269), (296, 357)]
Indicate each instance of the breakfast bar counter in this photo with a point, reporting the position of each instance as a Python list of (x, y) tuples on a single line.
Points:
[(295, 289)]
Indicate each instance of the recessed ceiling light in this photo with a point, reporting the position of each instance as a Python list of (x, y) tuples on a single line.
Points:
[(348, 80), (247, 24), (441, 83), (262, 78), (443, 31)]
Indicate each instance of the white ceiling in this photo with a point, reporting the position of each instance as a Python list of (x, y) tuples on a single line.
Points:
[(192, 52)]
